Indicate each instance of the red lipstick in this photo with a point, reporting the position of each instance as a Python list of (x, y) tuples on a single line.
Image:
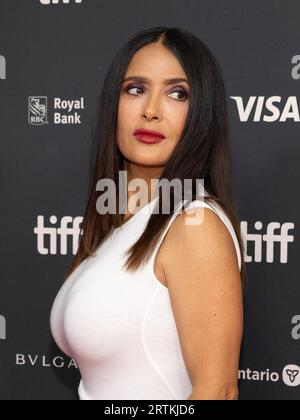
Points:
[(149, 136)]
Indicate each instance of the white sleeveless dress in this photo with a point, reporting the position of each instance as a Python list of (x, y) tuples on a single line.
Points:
[(119, 326)]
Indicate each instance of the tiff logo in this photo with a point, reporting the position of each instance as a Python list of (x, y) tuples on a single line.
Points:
[(53, 233), (45, 2), (2, 328), (270, 238), (296, 329), (2, 67)]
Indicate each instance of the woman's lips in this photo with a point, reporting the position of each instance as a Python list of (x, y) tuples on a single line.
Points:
[(148, 138)]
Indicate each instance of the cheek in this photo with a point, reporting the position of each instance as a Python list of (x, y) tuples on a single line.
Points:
[(123, 122), (177, 119), (128, 108), (126, 120), (122, 117)]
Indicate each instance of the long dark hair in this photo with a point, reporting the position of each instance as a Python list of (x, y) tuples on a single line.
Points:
[(203, 151)]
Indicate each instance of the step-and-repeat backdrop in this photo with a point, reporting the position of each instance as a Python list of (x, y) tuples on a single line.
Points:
[(53, 59)]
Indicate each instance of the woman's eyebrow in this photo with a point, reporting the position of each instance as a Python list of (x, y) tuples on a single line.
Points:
[(166, 82)]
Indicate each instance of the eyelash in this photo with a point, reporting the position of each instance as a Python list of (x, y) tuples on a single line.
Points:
[(131, 86)]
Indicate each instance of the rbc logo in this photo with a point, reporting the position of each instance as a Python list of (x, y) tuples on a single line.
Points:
[(270, 238), (2, 328), (37, 110), (2, 67)]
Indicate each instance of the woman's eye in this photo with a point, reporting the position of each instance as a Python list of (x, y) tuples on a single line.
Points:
[(132, 87), (138, 88), (181, 91)]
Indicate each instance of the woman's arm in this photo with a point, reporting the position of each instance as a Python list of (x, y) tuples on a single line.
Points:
[(204, 283)]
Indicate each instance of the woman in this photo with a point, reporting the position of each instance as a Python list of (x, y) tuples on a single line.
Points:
[(165, 323)]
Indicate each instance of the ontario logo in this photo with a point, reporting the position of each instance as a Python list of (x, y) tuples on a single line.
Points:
[(291, 375), (38, 110)]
